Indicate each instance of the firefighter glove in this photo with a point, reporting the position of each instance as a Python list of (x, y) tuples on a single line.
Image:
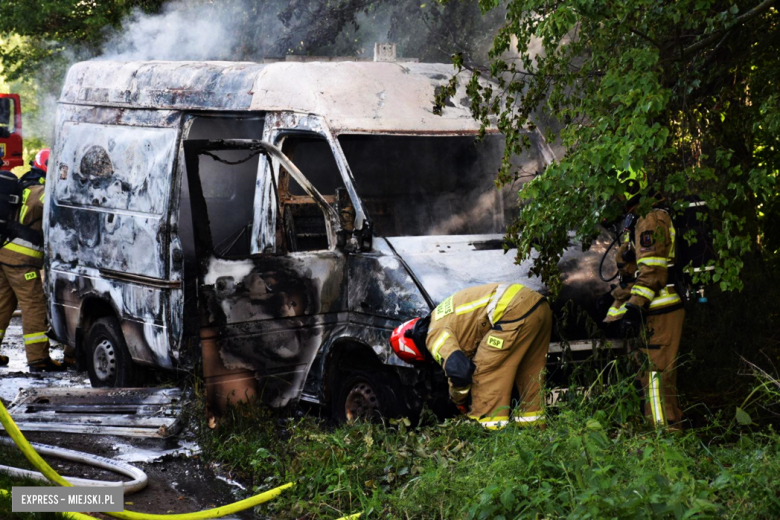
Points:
[(632, 322), (459, 369), (460, 396)]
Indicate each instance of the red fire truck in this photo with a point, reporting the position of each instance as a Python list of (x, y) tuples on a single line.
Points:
[(10, 132)]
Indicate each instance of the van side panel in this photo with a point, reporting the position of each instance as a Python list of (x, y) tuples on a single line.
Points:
[(111, 194), (107, 226)]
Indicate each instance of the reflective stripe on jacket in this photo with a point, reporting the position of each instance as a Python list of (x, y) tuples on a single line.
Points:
[(462, 320), (653, 241), (21, 252)]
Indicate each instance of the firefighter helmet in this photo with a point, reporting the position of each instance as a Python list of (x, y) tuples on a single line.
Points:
[(42, 159), (403, 345), (633, 181)]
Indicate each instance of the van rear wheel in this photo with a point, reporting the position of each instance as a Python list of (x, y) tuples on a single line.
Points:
[(367, 395), (109, 361)]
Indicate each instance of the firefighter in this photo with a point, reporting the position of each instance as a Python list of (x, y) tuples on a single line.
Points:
[(489, 339), (21, 259), (646, 302)]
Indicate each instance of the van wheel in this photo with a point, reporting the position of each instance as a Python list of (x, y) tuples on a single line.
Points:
[(109, 361), (368, 395)]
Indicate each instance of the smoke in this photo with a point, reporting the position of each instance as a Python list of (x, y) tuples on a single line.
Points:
[(39, 97), (181, 31), (252, 30)]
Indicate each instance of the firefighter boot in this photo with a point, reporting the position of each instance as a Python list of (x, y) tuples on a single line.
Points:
[(46, 365), (69, 360)]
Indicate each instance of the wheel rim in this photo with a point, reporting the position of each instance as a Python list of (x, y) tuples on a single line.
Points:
[(104, 360), (362, 402)]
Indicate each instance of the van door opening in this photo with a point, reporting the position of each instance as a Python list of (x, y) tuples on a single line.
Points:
[(271, 309)]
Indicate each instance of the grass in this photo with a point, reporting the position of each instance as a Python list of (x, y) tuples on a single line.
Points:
[(10, 456), (596, 459)]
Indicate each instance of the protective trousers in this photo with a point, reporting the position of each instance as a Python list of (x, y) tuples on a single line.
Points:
[(512, 354), (23, 284), (659, 380)]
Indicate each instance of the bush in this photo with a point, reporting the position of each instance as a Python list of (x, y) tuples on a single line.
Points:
[(597, 458)]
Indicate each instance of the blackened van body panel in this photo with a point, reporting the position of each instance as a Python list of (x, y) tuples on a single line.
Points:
[(381, 295), (273, 314), (381, 285), (107, 228)]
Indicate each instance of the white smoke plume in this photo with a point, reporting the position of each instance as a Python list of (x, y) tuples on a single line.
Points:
[(182, 31), (251, 30)]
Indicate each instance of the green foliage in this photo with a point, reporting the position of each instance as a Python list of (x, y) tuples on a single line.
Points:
[(596, 459), (51, 27), (429, 31), (28, 92), (684, 90), (57, 31), (11, 456), (40, 39)]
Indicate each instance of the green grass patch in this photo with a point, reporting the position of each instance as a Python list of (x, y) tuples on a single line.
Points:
[(596, 459), (11, 456)]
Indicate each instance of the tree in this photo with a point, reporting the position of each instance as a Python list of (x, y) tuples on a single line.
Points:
[(429, 31), (53, 27), (685, 90)]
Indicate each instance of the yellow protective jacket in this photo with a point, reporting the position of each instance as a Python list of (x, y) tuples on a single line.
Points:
[(21, 252), (653, 241), (462, 320)]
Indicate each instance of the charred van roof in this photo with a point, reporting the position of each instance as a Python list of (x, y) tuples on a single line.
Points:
[(353, 96)]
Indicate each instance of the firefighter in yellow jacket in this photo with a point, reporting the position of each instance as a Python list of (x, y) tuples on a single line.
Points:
[(21, 259), (489, 339), (646, 301)]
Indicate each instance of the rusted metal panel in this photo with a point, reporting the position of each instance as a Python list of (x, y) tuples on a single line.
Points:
[(103, 115), (161, 85), (130, 412), (141, 307)]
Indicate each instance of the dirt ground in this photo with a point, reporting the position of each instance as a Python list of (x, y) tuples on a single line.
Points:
[(179, 482)]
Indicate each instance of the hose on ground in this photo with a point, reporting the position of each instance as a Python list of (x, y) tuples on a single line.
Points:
[(82, 516), (137, 484), (54, 477)]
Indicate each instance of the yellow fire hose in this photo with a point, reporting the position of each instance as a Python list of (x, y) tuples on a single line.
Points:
[(41, 465), (217, 512)]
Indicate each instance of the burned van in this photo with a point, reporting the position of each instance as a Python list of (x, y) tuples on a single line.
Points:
[(293, 213)]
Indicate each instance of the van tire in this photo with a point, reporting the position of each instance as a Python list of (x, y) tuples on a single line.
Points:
[(370, 394), (108, 361)]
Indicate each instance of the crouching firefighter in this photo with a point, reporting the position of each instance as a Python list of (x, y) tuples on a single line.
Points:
[(489, 339), (21, 258), (646, 302)]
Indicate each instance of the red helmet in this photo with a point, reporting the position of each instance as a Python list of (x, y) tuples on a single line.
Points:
[(42, 159), (403, 345)]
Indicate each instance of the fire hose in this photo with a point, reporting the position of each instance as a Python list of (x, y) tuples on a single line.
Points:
[(48, 473), (72, 516), (54, 477), (138, 476)]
